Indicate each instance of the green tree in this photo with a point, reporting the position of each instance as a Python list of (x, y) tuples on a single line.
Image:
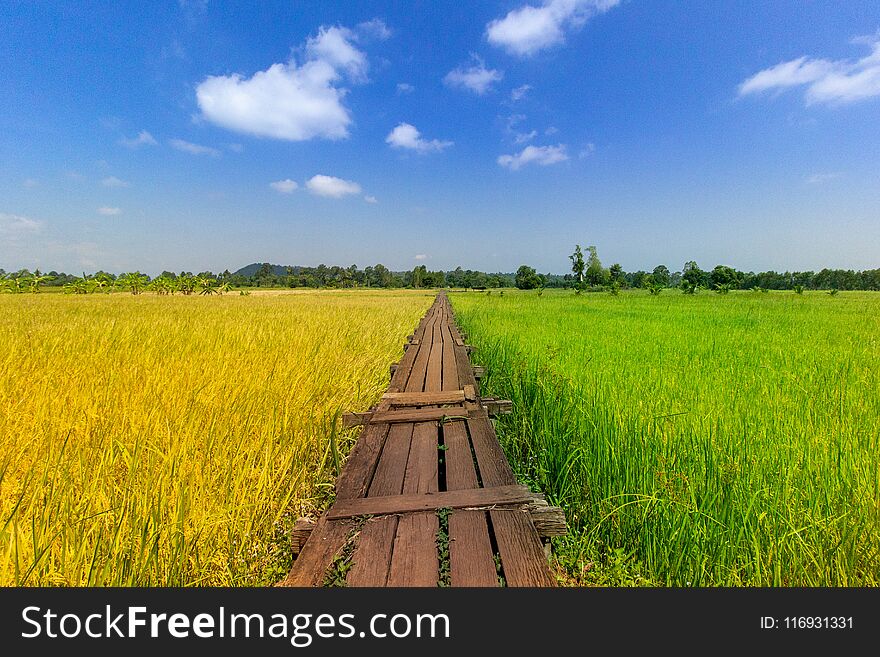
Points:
[(615, 272), (264, 277), (661, 275), (595, 274), (724, 277), (692, 277), (577, 263), (527, 278), (418, 276)]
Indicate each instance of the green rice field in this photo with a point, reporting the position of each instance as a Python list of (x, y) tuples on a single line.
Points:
[(693, 440)]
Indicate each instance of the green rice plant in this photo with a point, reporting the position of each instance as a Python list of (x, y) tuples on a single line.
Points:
[(694, 442)]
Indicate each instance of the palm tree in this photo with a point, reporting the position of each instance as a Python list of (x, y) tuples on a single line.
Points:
[(186, 283), (134, 281), (208, 285)]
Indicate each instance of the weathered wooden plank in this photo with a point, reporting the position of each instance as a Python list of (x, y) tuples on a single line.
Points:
[(421, 468), (401, 374), (371, 560), (416, 380), (418, 415), (548, 520), (299, 535), (413, 503), (495, 407), (414, 559), (466, 376), (390, 471), (471, 560), (434, 373), (450, 365), (326, 539), (425, 398), (460, 470), (354, 480), (401, 370), (522, 556), (492, 464), (352, 420)]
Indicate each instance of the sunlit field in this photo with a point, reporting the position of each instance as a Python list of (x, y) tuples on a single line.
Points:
[(171, 440), (694, 440)]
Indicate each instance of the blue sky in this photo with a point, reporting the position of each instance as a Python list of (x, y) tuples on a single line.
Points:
[(208, 135)]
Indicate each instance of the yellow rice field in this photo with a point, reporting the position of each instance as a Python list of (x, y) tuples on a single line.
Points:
[(157, 441)]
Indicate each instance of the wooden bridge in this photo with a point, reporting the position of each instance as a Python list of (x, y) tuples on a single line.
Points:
[(427, 497)]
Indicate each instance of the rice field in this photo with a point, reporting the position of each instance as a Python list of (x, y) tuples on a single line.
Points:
[(707, 440), (157, 441)]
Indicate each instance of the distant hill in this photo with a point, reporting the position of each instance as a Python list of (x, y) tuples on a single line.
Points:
[(278, 270)]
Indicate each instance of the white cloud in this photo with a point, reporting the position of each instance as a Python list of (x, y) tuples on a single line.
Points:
[(552, 130), (830, 82), (420, 256), (408, 137), (588, 149), (113, 181), (510, 124), (404, 88), (520, 92), (476, 78), (291, 101), (30, 183), (332, 187), (107, 211), (543, 155), (333, 45), (236, 148), (14, 226), (528, 30), (371, 199), (74, 175), (194, 149), (286, 186), (144, 138), (374, 29), (819, 178)]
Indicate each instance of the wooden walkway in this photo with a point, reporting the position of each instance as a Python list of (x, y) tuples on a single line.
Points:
[(427, 496)]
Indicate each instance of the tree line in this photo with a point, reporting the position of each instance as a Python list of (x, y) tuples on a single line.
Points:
[(587, 273)]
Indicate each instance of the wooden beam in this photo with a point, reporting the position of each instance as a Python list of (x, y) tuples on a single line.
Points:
[(453, 499), (300, 533), (424, 398), (497, 407), (350, 420)]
